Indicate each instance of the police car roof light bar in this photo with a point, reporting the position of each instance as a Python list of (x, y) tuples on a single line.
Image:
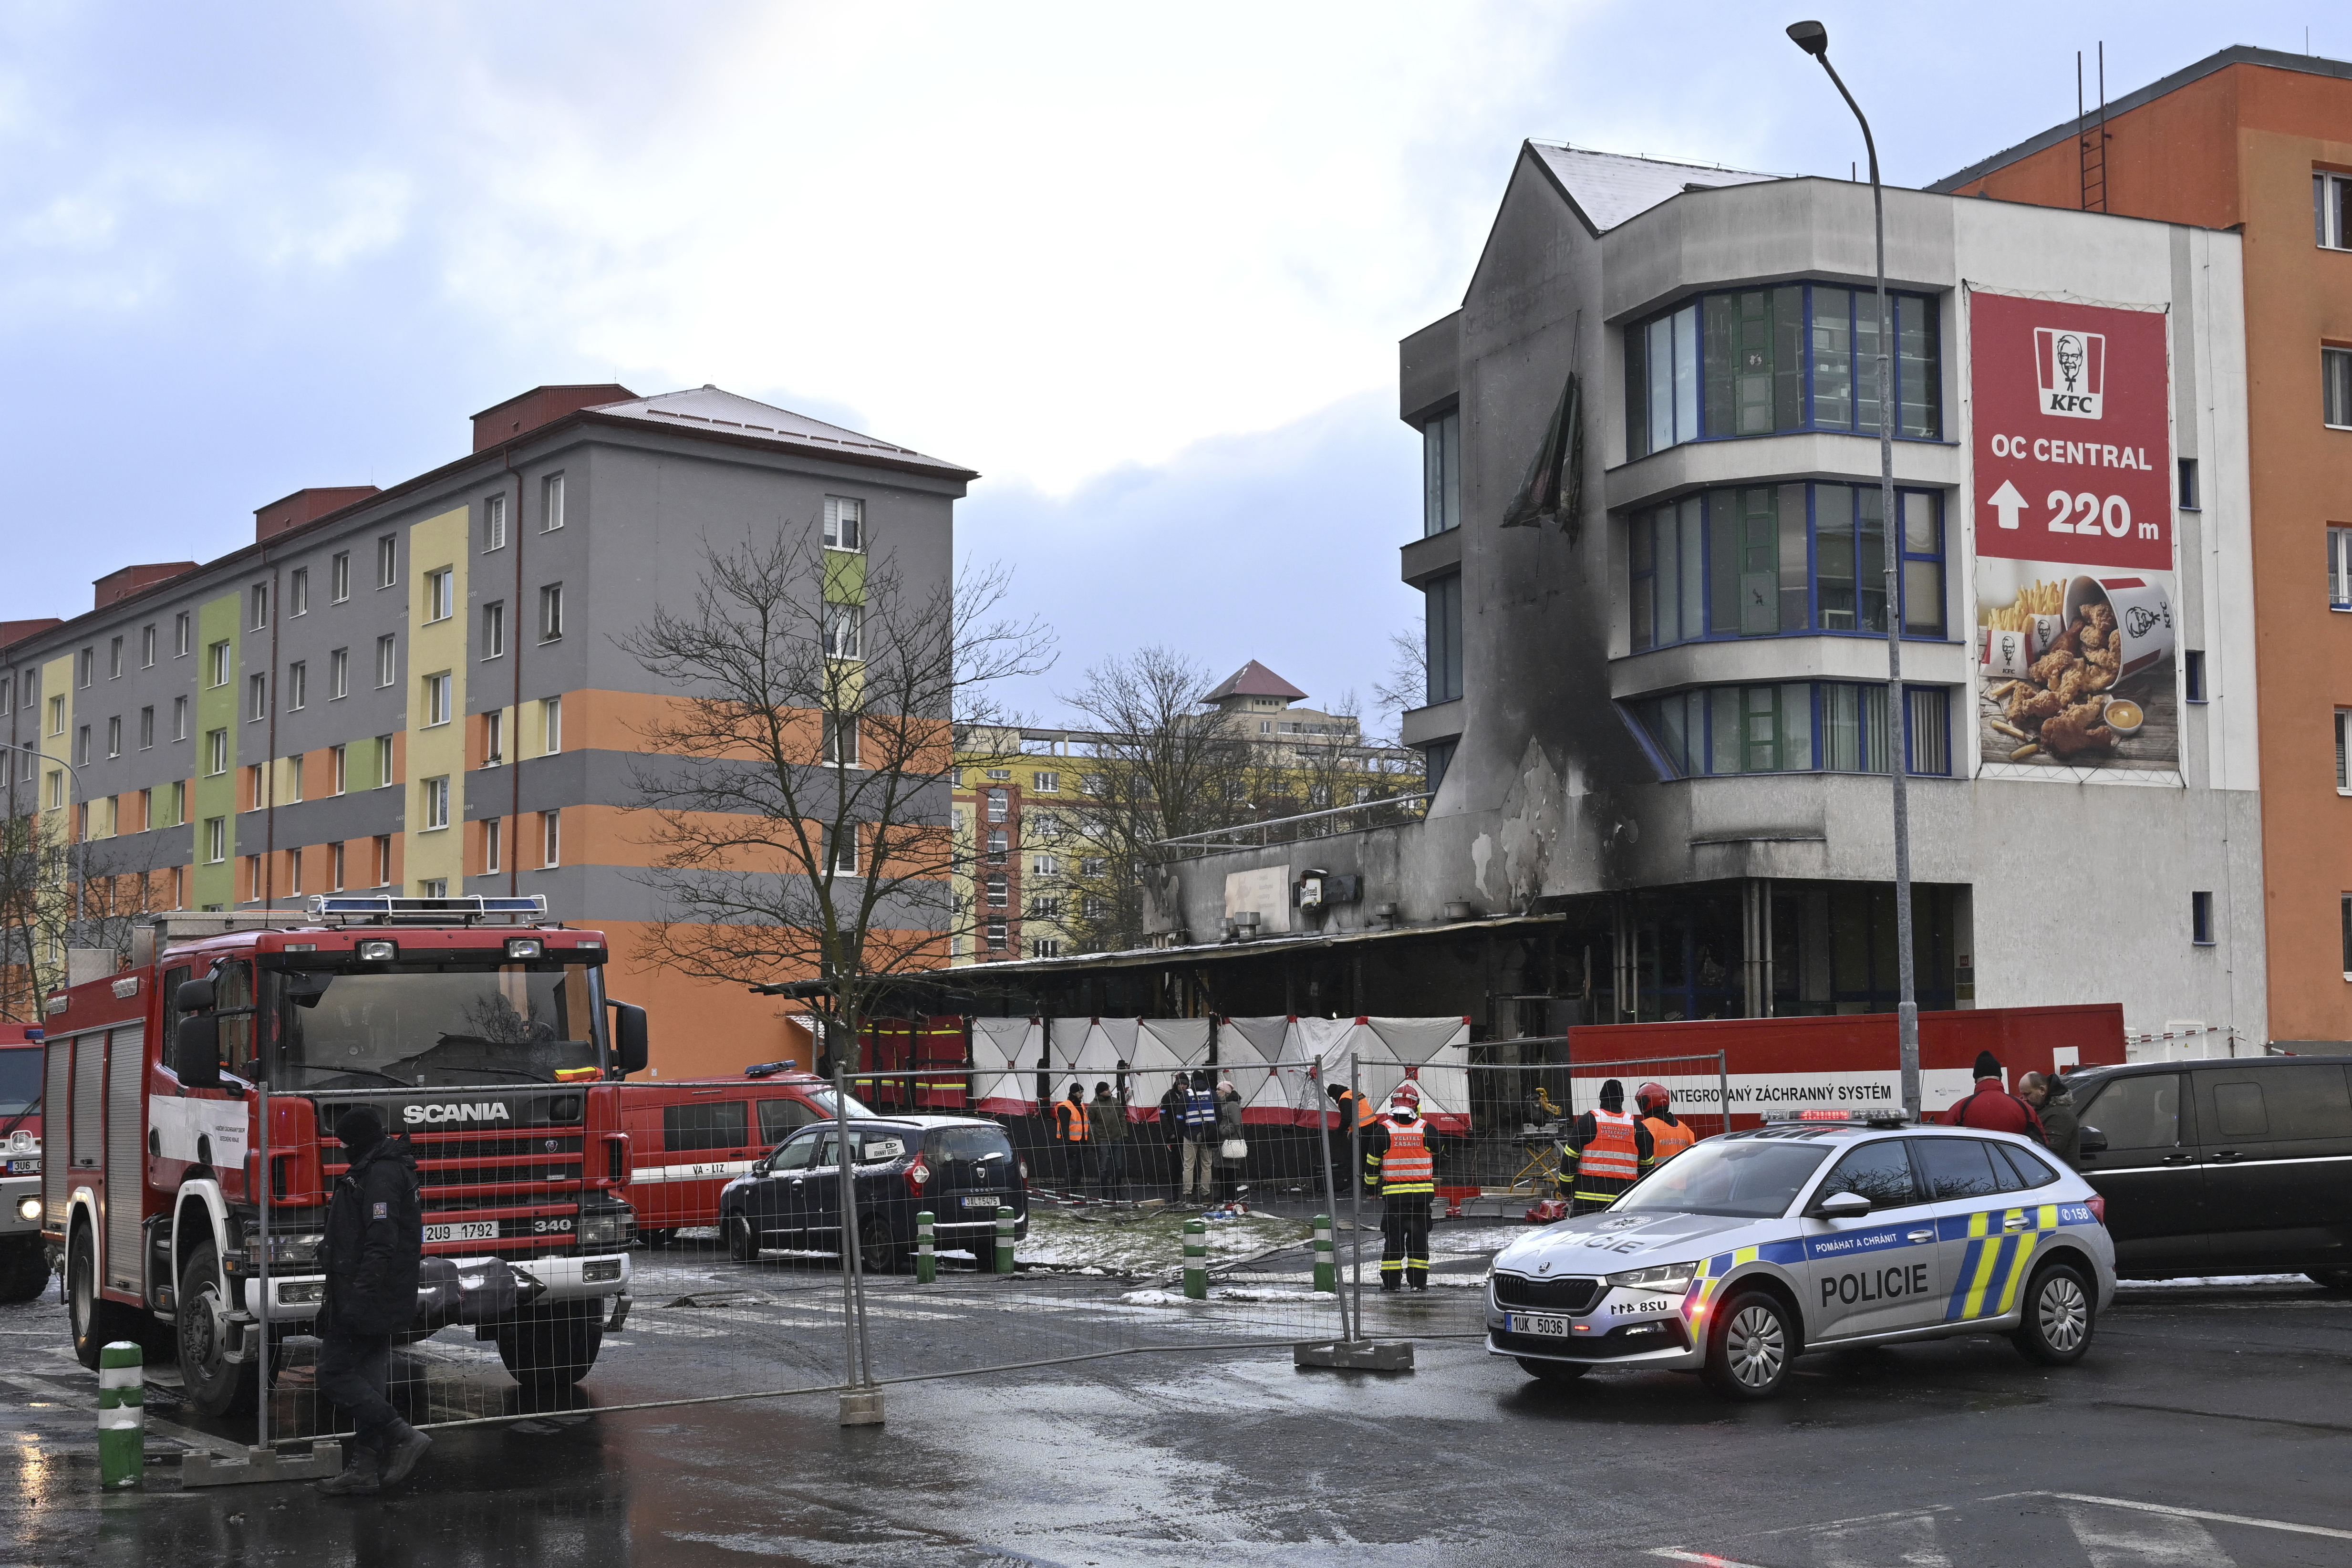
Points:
[(383, 910)]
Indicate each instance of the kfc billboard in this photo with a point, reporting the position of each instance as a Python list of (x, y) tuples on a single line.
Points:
[(2072, 467)]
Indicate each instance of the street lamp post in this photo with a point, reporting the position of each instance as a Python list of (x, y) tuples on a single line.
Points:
[(1814, 39), (81, 848)]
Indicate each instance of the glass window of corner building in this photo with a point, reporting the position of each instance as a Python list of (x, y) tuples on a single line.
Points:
[(1762, 362), (1441, 474), (1821, 726)]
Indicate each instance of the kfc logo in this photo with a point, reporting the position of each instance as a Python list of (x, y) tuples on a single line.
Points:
[(2072, 371)]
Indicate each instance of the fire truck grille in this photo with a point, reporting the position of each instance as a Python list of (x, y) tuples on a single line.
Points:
[(463, 1171)]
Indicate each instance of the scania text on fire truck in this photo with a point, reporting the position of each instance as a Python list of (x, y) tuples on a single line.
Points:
[(486, 1046)]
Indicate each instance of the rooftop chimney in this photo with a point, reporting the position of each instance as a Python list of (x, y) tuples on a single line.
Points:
[(117, 586), (540, 406), (304, 506), (17, 631)]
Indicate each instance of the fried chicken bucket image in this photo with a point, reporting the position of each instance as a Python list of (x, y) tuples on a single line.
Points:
[(2106, 630)]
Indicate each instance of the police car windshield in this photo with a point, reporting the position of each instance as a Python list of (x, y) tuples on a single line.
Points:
[(1738, 1178), (436, 1024)]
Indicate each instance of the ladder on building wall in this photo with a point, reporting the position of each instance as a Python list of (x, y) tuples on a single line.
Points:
[(2091, 135)]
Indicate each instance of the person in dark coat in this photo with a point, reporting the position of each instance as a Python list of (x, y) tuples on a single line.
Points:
[(2062, 1129), (1992, 1107), (375, 1241), (1171, 1130)]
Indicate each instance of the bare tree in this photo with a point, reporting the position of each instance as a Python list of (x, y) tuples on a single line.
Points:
[(1405, 684), (39, 920), (797, 790)]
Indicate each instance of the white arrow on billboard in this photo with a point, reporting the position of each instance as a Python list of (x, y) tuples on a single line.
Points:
[(2008, 502)]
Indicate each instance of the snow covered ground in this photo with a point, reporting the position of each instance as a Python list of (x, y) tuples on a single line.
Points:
[(1151, 1242)]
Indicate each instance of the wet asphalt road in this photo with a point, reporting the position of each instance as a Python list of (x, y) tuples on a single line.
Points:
[(2222, 1400)]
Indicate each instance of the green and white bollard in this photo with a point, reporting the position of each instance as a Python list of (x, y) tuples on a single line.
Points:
[(1196, 1260), (121, 1416), (1003, 1242), (926, 1263), (1327, 1266)]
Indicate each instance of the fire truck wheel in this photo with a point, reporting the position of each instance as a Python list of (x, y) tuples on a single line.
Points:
[(215, 1385), (548, 1349), (739, 1244), (24, 1268), (96, 1322)]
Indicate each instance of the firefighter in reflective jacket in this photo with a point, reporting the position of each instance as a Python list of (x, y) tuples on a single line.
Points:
[(1606, 1151), (1669, 1133), (1397, 1162)]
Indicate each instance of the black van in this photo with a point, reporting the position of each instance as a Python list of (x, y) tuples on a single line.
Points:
[(958, 1167), (2239, 1167)]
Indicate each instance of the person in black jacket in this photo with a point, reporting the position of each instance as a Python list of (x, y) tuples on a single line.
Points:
[(374, 1239)]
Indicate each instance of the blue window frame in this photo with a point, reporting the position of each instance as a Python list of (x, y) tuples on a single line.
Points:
[(1794, 727), (1779, 560), (1767, 362)]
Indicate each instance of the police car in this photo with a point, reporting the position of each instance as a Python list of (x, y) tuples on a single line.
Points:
[(1756, 1247)]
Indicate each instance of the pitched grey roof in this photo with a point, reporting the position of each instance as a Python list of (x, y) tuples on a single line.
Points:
[(706, 407), (1608, 188)]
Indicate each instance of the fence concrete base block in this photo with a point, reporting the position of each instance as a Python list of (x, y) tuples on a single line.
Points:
[(1355, 1355), (325, 1458), (863, 1408)]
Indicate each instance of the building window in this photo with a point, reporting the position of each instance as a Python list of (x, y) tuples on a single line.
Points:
[(551, 503), (433, 888), (2331, 222), (1795, 727), (550, 613), (841, 849), (1045, 865), (384, 761), (89, 667), (2343, 752), (2193, 674), (386, 660), (2201, 919), (1044, 947), (1045, 827), (440, 590), (996, 935), (494, 629), (1761, 362), (216, 840), (260, 598), (297, 596), (182, 634), (179, 802), (252, 878), (1000, 844), (996, 888), (997, 802), (339, 674), (845, 631), (1046, 783), (294, 872), (256, 699), (1441, 474), (254, 797), (81, 746), (844, 523), (216, 753), (383, 861), (387, 561), (179, 718), (216, 663), (2335, 387), (492, 834), (436, 804), (551, 839), (339, 576), (297, 686), (494, 738), (294, 779), (147, 648), (1442, 606), (436, 700), (841, 736), (337, 764), (114, 659), (494, 522), (335, 867), (1093, 866), (2189, 501), (146, 810), (550, 719), (114, 736), (57, 715), (56, 789), (1771, 560), (146, 728)]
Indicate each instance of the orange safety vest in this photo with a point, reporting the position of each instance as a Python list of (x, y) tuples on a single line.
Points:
[(1614, 1154), (1669, 1138), (1407, 1165), (1072, 1121), (1364, 1116)]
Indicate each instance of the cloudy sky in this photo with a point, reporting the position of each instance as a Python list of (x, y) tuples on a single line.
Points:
[(1143, 267)]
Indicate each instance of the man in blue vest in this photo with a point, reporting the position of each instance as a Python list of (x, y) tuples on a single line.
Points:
[(1199, 1120)]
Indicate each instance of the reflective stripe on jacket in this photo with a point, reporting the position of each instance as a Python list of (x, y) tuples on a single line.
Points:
[(1401, 1161), (1668, 1139), (1616, 1153), (1069, 1121)]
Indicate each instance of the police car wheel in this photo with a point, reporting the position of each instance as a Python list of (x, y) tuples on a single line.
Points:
[(1553, 1371), (1749, 1347), (2055, 1328)]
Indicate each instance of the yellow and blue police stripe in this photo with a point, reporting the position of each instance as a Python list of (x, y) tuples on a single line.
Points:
[(1714, 1270), (1998, 1255)]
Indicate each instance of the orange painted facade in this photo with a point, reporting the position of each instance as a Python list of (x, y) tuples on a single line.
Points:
[(2237, 148)]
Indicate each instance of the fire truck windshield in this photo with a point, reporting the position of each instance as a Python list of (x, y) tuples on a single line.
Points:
[(430, 1023), (20, 1079)]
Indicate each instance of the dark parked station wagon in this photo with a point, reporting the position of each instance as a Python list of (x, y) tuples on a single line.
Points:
[(2239, 1167), (959, 1168)]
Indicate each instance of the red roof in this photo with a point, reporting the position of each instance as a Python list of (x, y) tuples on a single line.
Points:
[(1254, 679)]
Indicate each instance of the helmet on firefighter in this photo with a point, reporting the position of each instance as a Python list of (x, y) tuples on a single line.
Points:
[(1651, 1097), (1405, 1102)]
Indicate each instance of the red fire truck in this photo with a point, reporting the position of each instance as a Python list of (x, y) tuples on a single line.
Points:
[(690, 1137), (486, 1043), (24, 1262)]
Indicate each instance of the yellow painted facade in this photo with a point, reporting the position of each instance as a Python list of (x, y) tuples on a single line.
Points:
[(435, 741)]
